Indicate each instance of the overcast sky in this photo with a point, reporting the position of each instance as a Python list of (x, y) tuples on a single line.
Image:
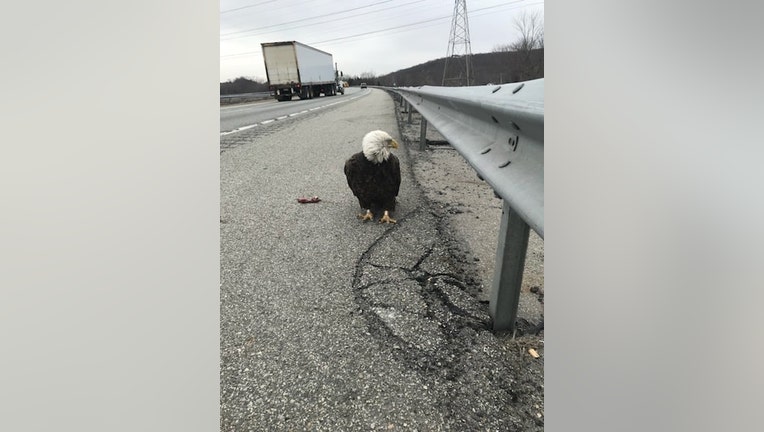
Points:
[(364, 36)]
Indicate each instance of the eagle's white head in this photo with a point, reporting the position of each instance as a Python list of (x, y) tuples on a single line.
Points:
[(377, 144)]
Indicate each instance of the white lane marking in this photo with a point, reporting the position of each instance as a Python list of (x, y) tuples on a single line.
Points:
[(238, 130), (236, 108)]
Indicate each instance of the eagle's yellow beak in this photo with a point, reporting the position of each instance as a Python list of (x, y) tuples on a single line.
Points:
[(393, 143)]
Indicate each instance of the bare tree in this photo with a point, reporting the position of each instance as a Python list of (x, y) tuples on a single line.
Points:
[(530, 46), (531, 28)]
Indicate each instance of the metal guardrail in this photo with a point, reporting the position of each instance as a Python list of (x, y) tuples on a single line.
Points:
[(244, 97), (499, 130)]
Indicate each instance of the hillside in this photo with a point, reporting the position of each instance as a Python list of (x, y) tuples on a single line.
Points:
[(495, 67)]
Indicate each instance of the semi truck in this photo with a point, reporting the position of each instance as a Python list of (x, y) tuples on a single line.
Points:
[(295, 69)]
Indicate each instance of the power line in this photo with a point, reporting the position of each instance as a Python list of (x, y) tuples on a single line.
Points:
[(314, 17), (378, 31), (245, 7), (354, 36), (345, 38), (473, 13)]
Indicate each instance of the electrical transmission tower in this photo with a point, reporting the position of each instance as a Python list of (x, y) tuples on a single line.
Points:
[(457, 70)]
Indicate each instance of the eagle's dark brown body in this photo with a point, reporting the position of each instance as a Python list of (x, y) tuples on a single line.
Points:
[(374, 184)]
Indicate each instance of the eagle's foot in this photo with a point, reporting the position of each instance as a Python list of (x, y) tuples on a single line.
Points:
[(386, 218), (367, 216)]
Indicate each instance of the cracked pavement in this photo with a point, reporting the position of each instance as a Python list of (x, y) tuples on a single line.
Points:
[(331, 324)]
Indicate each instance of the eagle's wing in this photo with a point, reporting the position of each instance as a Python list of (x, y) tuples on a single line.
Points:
[(352, 174), (396, 173)]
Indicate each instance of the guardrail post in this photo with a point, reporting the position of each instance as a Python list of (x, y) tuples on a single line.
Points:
[(410, 108), (423, 135), (508, 271)]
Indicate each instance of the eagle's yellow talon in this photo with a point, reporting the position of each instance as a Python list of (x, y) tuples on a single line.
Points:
[(367, 216), (386, 218)]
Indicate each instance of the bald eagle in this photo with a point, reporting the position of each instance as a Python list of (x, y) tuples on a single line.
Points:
[(374, 175)]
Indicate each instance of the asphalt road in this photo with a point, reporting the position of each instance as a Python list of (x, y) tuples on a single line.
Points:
[(233, 117), (328, 323)]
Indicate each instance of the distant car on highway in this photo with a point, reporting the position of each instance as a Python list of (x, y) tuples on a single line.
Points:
[(363, 85)]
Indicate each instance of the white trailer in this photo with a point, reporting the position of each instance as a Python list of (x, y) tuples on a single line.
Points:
[(294, 68)]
